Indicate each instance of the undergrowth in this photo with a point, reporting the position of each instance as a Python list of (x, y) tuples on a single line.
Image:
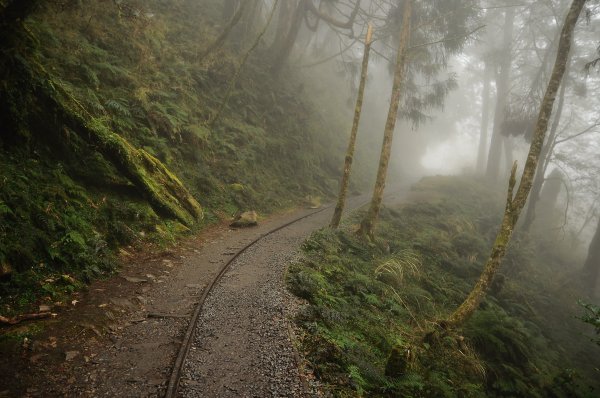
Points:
[(65, 209), (364, 299)]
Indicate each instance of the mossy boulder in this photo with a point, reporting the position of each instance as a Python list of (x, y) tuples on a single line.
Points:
[(246, 219)]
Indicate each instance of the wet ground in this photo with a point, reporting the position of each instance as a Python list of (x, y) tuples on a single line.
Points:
[(123, 334)]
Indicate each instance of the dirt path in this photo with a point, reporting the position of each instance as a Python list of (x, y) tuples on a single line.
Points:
[(122, 336), (242, 347)]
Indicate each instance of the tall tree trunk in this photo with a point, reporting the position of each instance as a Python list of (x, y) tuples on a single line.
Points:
[(591, 268), (284, 48), (536, 189), (215, 116), (515, 204), (339, 208), (507, 149), (251, 20), (229, 7), (226, 31), (284, 17), (502, 92), (485, 116), (368, 223)]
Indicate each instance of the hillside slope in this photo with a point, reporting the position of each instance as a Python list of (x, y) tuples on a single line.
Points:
[(364, 299), (103, 140)]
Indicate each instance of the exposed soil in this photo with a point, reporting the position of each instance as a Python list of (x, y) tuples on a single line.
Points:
[(122, 335)]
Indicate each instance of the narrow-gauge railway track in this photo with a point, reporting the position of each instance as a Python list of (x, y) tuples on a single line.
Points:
[(176, 372), (173, 385)]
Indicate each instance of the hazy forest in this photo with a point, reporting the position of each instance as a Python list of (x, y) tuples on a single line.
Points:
[(299, 198)]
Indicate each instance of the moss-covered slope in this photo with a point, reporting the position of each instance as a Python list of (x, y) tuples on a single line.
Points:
[(103, 140), (364, 299)]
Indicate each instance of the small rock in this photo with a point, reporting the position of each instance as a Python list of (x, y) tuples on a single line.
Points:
[(193, 286), (70, 355), (45, 308), (246, 219), (134, 279), (122, 302)]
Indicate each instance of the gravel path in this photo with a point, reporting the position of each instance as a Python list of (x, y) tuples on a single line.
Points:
[(122, 338), (242, 346)]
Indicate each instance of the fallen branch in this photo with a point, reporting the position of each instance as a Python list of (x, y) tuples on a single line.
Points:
[(23, 317)]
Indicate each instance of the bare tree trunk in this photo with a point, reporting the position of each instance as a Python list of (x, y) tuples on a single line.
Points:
[(215, 116), (251, 19), (507, 146), (591, 268), (229, 7), (284, 49), (368, 223), (515, 204), (284, 17), (339, 208), (536, 189), (502, 92), (485, 115), (226, 31)]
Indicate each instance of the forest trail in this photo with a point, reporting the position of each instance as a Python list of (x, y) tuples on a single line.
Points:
[(122, 336)]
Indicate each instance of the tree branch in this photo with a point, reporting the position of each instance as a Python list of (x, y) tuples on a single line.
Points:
[(330, 20)]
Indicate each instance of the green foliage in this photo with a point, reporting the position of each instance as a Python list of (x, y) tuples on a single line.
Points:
[(64, 207), (592, 317), (365, 300)]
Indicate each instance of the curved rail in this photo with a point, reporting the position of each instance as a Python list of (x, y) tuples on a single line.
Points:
[(173, 385)]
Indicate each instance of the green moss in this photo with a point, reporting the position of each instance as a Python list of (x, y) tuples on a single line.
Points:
[(367, 303), (104, 142)]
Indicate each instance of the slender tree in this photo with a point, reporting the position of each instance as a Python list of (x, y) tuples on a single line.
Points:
[(227, 30), (368, 223), (591, 268), (515, 203), (284, 42), (538, 182), (339, 208), (217, 114), (485, 114), (502, 92)]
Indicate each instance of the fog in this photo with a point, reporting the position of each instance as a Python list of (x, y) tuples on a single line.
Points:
[(437, 163)]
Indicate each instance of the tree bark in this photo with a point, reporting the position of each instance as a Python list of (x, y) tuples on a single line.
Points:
[(368, 223), (284, 17), (502, 92), (226, 31), (515, 204), (536, 189), (485, 115), (215, 116), (284, 49), (339, 208), (591, 268)]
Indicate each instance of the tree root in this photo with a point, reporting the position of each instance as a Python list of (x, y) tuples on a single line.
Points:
[(23, 317)]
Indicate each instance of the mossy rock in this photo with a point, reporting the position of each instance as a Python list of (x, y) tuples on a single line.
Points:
[(246, 219)]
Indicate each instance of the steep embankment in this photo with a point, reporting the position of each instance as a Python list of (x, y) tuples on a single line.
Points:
[(363, 299), (103, 141)]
